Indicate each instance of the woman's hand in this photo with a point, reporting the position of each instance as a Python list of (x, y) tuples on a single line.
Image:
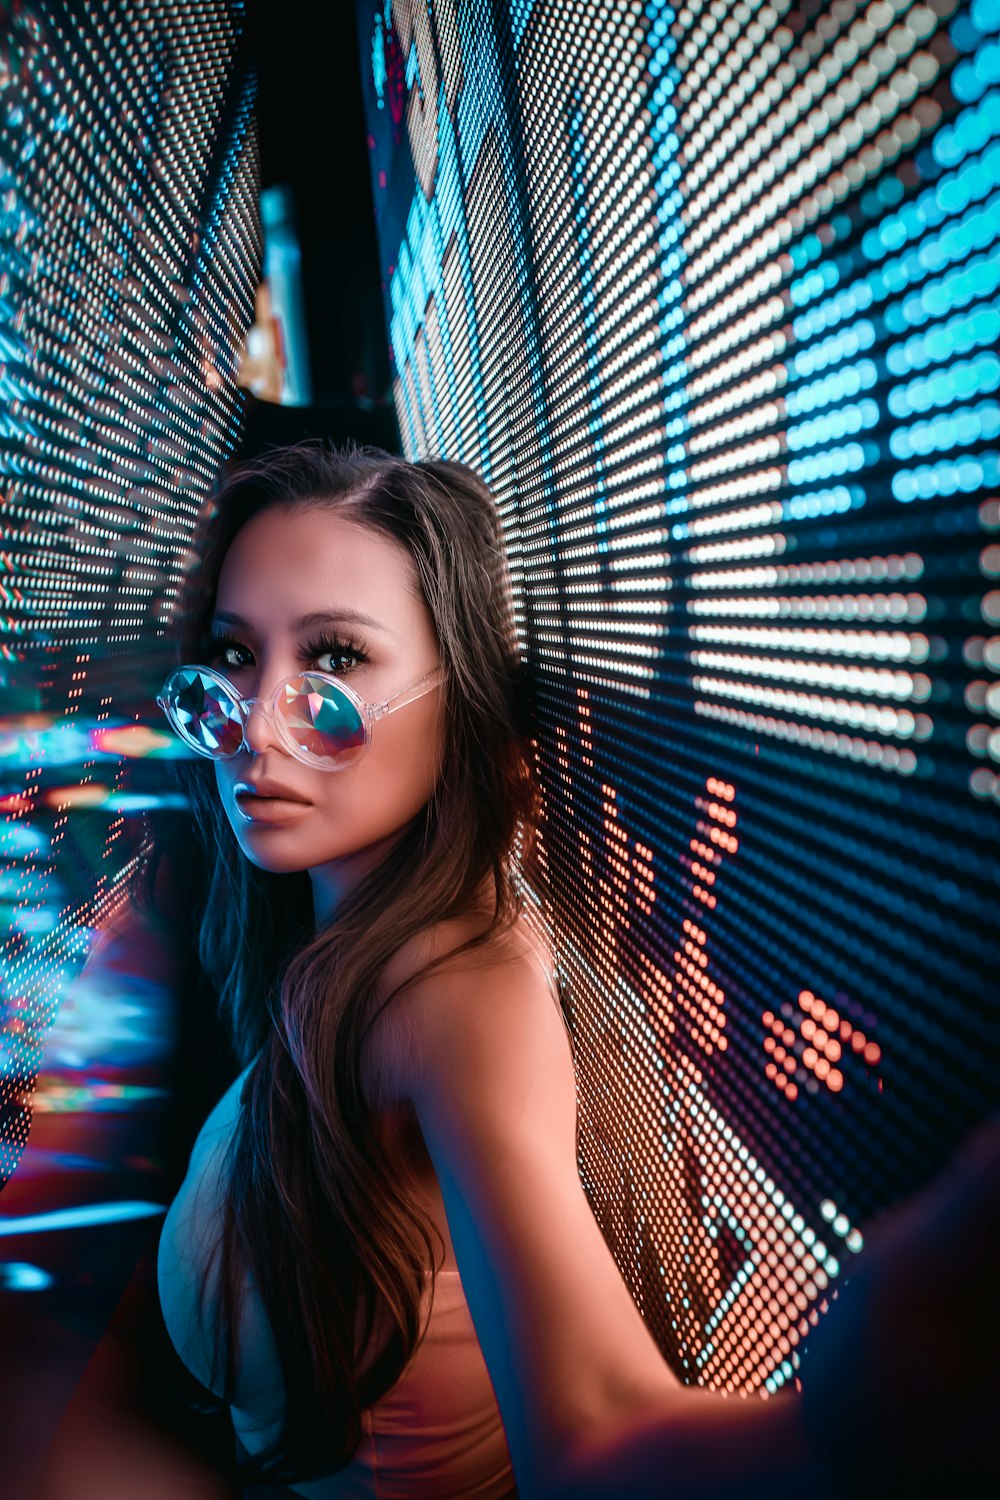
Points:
[(901, 1381)]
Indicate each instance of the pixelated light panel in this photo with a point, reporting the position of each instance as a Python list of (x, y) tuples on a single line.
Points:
[(708, 292), (131, 250)]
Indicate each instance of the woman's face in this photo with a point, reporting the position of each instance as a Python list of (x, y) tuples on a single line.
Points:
[(379, 638)]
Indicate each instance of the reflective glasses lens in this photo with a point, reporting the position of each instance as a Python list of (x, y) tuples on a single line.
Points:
[(203, 712), (322, 718)]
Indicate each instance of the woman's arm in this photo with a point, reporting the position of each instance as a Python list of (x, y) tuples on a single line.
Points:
[(589, 1406)]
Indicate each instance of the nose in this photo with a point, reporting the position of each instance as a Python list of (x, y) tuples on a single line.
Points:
[(260, 731)]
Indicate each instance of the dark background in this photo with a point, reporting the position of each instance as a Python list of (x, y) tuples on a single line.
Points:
[(314, 140)]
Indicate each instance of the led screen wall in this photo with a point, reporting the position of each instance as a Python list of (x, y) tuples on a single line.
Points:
[(709, 294), (131, 249)]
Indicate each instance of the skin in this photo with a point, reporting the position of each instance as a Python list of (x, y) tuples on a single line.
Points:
[(285, 564)]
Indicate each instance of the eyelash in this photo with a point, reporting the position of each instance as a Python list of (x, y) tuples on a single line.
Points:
[(343, 646)]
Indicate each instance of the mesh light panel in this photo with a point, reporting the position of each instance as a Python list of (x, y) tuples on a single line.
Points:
[(709, 295), (131, 248)]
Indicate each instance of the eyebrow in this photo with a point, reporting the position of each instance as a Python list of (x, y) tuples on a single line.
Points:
[(318, 617)]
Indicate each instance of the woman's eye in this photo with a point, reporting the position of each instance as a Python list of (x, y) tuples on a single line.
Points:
[(223, 653), (344, 655), (341, 660)]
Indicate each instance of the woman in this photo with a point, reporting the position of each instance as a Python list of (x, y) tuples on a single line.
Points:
[(382, 1257)]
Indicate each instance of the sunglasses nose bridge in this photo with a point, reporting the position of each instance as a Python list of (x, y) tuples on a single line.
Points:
[(267, 714)]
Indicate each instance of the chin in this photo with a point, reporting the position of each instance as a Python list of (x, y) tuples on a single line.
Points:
[(274, 864), (273, 849)]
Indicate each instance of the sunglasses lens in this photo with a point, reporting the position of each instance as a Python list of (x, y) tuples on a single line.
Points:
[(322, 719), (203, 712)]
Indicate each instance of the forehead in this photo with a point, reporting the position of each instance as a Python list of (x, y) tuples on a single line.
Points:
[(287, 563)]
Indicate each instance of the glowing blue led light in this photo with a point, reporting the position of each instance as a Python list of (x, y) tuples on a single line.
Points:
[(969, 133), (814, 285), (77, 1218), (978, 278), (841, 346), (841, 383), (839, 422), (973, 77), (838, 309), (822, 502), (944, 479), (950, 196), (967, 331), (845, 460), (958, 382), (21, 1276), (956, 429), (985, 16)]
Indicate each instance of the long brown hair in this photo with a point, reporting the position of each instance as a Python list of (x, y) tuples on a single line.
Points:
[(314, 1211)]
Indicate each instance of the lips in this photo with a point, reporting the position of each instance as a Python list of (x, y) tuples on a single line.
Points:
[(266, 789)]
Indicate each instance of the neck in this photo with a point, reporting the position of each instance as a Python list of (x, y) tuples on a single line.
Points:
[(333, 882)]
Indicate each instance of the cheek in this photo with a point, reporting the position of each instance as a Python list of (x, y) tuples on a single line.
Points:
[(403, 760)]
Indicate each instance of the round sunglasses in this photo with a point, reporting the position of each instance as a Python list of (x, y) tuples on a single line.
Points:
[(320, 721)]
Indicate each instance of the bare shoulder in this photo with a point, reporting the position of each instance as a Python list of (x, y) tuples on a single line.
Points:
[(512, 967)]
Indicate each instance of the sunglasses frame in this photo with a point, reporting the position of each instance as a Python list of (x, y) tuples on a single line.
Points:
[(369, 713)]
